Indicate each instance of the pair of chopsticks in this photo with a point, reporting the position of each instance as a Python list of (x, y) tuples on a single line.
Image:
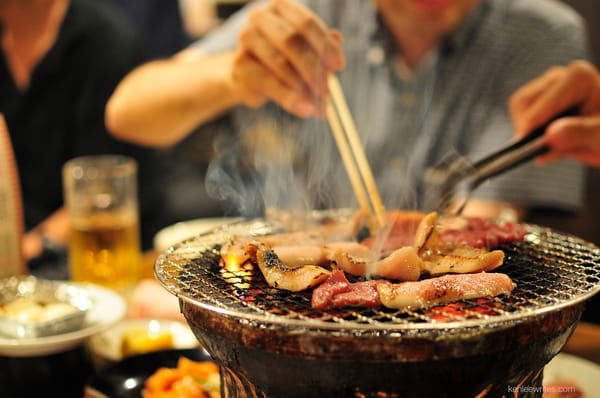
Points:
[(500, 161), (352, 152)]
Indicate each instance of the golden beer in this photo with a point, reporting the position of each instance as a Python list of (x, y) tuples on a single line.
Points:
[(105, 249), (101, 198)]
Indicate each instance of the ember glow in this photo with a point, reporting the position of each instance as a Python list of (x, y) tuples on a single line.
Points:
[(235, 270), (232, 263)]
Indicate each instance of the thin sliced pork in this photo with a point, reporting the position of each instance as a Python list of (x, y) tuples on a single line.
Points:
[(443, 290), (337, 292), (477, 232)]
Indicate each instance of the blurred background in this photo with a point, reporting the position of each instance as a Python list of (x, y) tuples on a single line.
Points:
[(167, 26)]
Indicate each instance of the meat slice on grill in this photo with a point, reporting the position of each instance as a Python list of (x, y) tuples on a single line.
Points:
[(355, 259), (403, 264), (426, 236), (477, 232), (293, 252), (338, 292), (429, 230), (279, 275), (461, 259), (303, 259), (443, 289), (235, 248)]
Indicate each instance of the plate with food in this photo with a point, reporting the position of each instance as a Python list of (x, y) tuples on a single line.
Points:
[(571, 376), (155, 374), (139, 336), (180, 231), (42, 317), (32, 307)]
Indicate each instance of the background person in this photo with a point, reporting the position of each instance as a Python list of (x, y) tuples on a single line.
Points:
[(423, 79), (159, 24), (59, 62)]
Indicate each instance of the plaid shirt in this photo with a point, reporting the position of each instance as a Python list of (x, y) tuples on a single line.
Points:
[(454, 103)]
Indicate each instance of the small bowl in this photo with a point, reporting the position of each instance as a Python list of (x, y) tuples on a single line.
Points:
[(137, 336), (125, 379), (32, 307)]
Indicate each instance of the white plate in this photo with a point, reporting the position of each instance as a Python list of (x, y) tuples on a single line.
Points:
[(107, 309), (569, 368), (176, 233), (108, 344)]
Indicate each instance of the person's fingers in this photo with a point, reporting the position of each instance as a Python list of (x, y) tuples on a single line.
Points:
[(526, 115), (252, 41), (553, 156), (577, 85), (553, 92), (287, 53), (575, 133), (292, 45), (325, 43), (586, 86), (246, 72), (577, 138), (320, 107), (336, 35), (526, 95), (258, 84)]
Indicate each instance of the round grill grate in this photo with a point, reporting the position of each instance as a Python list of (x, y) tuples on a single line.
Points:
[(551, 270)]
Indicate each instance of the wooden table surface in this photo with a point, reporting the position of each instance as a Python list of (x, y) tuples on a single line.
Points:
[(585, 342)]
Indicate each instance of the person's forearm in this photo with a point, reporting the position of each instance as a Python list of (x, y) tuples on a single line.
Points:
[(161, 102), (55, 228)]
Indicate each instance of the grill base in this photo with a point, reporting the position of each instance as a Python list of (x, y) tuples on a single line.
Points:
[(260, 361)]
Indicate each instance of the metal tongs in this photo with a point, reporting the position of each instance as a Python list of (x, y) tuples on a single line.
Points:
[(460, 171)]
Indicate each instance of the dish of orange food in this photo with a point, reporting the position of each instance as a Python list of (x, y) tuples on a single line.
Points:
[(189, 379), (144, 374)]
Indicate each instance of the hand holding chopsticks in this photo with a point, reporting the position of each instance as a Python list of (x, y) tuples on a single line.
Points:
[(352, 152)]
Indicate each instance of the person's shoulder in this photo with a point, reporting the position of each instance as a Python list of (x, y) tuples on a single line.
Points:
[(552, 13), (537, 25), (100, 18), (95, 27)]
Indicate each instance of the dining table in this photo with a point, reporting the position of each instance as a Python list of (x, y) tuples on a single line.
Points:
[(584, 343)]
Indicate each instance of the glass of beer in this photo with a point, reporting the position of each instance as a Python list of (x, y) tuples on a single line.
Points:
[(101, 199)]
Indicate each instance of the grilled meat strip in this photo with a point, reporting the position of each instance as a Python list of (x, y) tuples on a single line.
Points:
[(443, 289), (281, 276), (337, 291)]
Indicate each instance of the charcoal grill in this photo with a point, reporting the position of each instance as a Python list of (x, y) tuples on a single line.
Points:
[(271, 343)]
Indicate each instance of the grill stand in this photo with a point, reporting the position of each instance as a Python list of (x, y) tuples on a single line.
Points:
[(268, 361)]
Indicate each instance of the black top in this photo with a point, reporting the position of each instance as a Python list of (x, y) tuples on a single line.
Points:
[(159, 22), (61, 114)]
